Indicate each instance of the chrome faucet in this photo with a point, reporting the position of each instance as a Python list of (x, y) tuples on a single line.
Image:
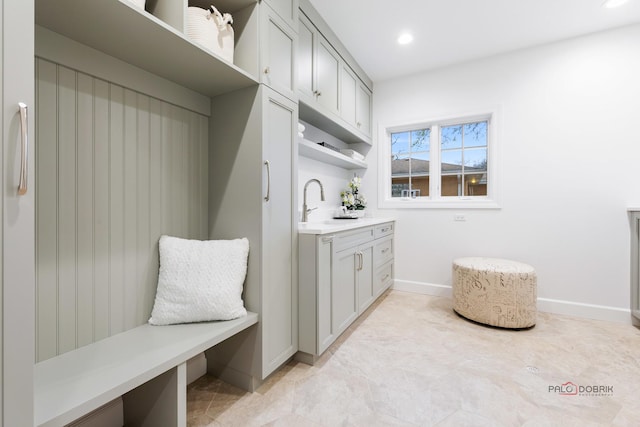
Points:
[(305, 209)]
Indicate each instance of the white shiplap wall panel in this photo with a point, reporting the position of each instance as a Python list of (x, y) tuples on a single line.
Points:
[(115, 170)]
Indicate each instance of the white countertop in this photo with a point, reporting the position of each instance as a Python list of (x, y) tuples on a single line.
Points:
[(337, 225)]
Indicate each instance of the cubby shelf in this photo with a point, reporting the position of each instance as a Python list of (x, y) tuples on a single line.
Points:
[(314, 151), (122, 30)]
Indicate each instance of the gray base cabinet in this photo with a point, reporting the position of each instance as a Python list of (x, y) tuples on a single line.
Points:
[(340, 276), (635, 266)]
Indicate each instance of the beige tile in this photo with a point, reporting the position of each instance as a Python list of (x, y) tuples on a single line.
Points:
[(411, 361)]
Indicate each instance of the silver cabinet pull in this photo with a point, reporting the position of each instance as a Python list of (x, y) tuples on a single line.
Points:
[(328, 239), (267, 70), (268, 165), (24, 156), (384, 251)]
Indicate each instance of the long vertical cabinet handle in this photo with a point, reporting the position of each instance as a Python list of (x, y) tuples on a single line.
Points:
[(24, 156), (268, 165)]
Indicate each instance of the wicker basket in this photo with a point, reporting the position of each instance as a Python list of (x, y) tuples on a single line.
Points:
[(212, 30)]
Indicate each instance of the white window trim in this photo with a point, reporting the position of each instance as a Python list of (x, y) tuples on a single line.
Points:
[(491, 201)]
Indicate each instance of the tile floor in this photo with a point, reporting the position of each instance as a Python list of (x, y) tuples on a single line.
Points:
[(411, 361)]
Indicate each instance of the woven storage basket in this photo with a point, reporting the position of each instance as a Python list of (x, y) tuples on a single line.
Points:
[(211, 30)]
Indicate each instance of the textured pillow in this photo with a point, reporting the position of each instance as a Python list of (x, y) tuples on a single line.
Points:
[(200, 280)]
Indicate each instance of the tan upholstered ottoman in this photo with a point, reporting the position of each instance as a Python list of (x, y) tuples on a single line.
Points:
[(496, 292)]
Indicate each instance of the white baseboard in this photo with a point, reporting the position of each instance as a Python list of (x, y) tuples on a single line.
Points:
[(569, 308), (422, 288), (588, 311)]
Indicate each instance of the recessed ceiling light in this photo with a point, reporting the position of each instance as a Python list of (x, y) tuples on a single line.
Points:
[(405, 38), (609, 4)]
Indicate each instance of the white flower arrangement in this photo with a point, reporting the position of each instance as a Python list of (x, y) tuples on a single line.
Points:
[(350, 197)]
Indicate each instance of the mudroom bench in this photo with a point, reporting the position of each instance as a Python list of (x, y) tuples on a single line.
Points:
[(145, 365)]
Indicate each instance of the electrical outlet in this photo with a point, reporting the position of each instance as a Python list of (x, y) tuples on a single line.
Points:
[(459, 217)]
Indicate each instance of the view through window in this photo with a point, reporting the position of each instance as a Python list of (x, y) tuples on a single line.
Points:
[(440, 161)]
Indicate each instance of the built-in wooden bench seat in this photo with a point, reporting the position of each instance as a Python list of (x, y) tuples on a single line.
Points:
[(146, 365)]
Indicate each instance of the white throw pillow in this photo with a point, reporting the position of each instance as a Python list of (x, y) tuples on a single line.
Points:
[(200, 280)]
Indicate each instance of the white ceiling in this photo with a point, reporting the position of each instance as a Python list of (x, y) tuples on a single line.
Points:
[(453, 31)]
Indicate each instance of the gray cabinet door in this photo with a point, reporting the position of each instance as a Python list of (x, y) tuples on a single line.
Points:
[(343, 290), (287, 9), (278, 46), (307, 39), (635, 267), (328, 72), (326, 332), (279, 286), (18, 232), (363, 109), (365, 277), (348, 84)]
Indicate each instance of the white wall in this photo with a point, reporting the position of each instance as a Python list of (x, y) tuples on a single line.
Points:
[(569, 136), (334, 179)]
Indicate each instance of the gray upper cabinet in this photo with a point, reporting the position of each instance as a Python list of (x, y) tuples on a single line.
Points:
[(17, 334), (363, 109), (327, 76), (355, 101), (307, 39), (278, 52), (318, 69), (287, 9), (349, 82), (332, 92)]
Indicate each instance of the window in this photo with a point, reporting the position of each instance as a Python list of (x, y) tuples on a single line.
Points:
[(440, 163)]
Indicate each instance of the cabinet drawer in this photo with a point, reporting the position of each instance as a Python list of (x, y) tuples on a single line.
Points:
[(352, 238), (383, 251), (383, 278), (383, 230)]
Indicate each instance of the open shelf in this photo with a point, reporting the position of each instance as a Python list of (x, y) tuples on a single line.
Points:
[(124, 31), (314, 151), (329, 124)]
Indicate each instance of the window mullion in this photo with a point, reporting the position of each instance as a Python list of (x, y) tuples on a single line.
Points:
[(434, 165)]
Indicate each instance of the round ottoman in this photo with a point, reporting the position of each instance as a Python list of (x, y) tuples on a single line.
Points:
[(496, 292)]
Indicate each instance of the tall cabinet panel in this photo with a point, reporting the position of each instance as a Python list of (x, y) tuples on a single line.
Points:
[(278, 248), (251, 172), (18, 259)]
